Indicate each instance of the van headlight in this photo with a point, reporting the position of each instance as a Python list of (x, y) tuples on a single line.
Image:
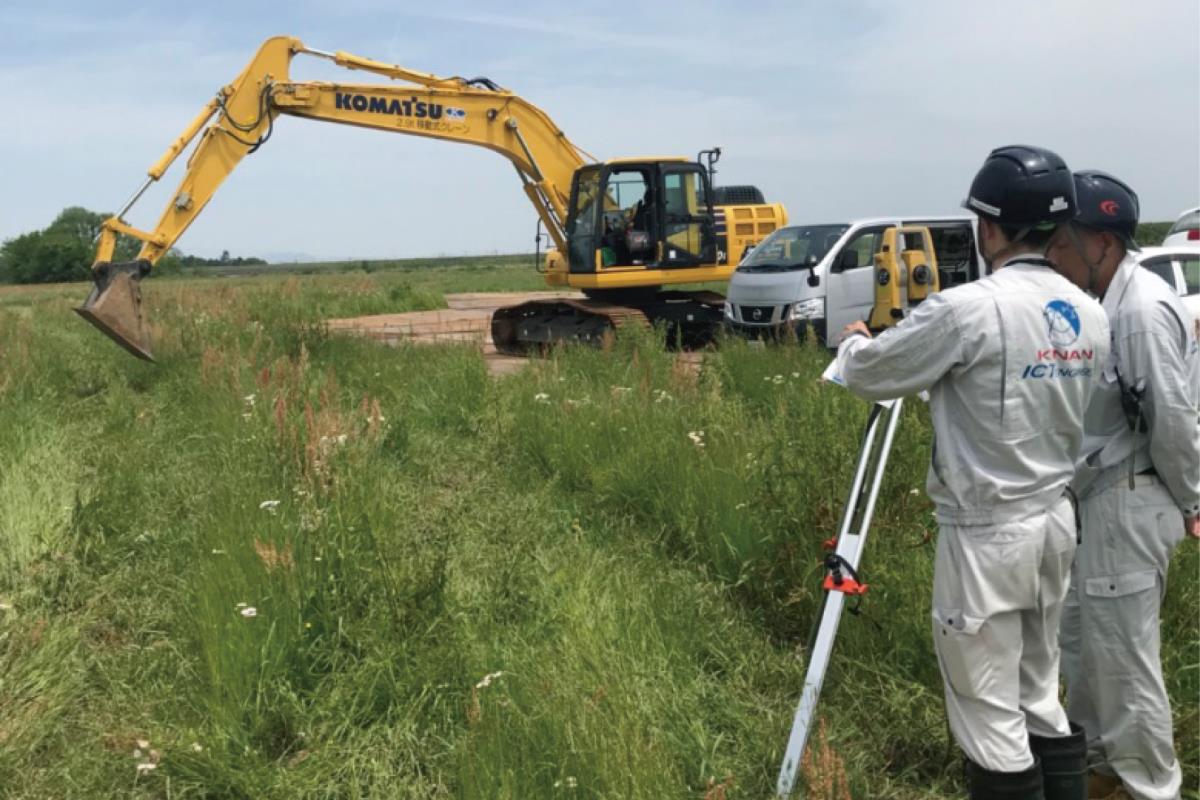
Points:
[(728, 310), (812, 308)]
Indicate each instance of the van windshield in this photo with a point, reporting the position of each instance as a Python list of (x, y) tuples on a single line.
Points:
[(792, 248)]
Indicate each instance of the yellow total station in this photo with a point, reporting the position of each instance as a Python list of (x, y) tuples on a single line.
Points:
[(905, 274)]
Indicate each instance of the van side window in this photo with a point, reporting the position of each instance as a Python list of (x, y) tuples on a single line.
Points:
[(1191, 273), (1162, 268), (863, 245)]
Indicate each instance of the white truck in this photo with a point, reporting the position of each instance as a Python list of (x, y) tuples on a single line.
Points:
[(819, 278)]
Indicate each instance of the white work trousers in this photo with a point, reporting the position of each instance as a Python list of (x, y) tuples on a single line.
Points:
[(998, 594), (1110, 636)]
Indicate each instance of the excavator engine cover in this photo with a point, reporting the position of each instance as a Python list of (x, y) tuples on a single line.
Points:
[(115, 304)]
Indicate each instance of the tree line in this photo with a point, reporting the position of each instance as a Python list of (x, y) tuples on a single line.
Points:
[(64, 251)]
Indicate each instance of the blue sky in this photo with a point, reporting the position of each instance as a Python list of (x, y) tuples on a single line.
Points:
[(838, 110)]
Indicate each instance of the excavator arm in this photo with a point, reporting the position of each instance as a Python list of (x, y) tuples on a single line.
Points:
[(241, 118)]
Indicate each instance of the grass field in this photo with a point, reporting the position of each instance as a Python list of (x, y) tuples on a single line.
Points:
[(280, 564)]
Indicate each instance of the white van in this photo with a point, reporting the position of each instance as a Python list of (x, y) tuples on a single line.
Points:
[(820, 278)]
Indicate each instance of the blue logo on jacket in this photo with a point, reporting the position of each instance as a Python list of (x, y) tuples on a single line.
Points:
[(1062, 322)]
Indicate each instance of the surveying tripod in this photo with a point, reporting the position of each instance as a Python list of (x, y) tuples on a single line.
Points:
[(841, 577)]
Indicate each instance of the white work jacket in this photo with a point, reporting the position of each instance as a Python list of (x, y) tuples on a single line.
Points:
[(1010, 362), (1153, 351)]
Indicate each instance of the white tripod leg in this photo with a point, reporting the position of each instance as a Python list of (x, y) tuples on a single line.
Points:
[(852, 536)]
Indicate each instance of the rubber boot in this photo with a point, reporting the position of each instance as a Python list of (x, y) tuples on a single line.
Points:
[(987, 785), (1064, 764)]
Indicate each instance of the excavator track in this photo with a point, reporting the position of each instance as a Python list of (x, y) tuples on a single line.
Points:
[(691, 320)]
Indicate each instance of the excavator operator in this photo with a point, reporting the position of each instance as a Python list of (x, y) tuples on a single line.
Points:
[(638, 232)]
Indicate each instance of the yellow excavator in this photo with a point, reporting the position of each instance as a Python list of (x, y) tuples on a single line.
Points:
[(621, 230)]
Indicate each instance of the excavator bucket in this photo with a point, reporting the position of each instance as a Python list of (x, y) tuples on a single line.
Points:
[(115, 305)]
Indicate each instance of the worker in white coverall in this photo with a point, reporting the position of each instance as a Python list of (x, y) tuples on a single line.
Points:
[(1139, 494), (1010, 362)]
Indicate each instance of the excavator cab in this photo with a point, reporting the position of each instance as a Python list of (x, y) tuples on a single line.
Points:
[(635, 214)]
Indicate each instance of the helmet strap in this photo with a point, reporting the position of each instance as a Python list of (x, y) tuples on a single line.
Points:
[(1012, 248), (1093, 268)]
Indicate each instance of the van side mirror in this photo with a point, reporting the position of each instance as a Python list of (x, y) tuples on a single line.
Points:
[(848, 259)]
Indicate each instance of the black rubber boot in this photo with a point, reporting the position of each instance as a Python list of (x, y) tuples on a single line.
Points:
[(987, 785), (1064, 764)]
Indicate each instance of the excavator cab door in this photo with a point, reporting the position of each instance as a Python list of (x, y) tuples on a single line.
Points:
[(689, 233), (585, 218)]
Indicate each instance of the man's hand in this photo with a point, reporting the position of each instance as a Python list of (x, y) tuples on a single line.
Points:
[(856, 327), (1192, 526)]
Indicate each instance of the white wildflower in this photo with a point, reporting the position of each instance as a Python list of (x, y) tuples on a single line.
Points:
[(269, 505), (146, 766), (248, 400), (341, 439), (795, 374), (697, 438), (915, 491), (310, 521), (249, 612), (144, 744), (216, 551), (197, 747), (541, 397), (486, 681)]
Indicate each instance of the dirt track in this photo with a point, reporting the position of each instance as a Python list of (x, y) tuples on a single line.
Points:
[(466, 319)]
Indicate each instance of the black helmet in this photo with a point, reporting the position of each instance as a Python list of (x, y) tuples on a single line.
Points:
[(1023, 187), (1107, 204)]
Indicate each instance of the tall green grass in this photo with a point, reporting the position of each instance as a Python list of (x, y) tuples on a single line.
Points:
[(595, 578)]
